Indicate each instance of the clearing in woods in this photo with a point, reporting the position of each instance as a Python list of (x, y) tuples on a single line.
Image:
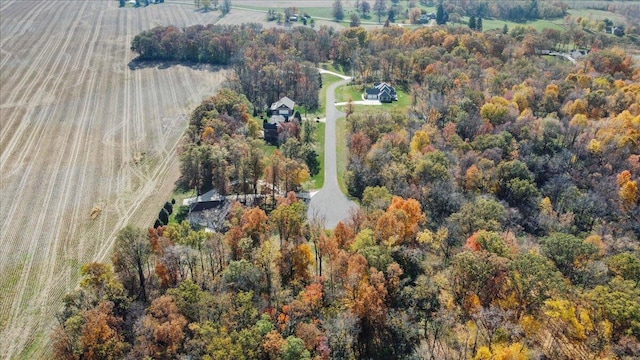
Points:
[(80, 130)]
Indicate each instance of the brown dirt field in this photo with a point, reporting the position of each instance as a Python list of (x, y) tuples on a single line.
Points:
[(73, 116)]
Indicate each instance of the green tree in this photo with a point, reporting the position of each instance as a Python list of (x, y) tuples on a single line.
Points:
[(355, 20), (242, 275), (441, 15), (483, 213), (338, 10), (472, 22), (376, 198), (288, 220), (293, 349), (619, 302), (365, 7), (533, 279), (379, 6), (570, 254), (225, 8), (131, 256), (625, 264)]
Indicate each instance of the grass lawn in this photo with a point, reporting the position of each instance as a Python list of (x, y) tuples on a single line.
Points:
[(331, 67), (341, 153), (327, 80), (497, 24), (268, 149), (597, 15), (179, 195), (343, 93), (403, 103), (317, 182)]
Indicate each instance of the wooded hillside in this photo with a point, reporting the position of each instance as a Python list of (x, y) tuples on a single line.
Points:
[(499, 218)]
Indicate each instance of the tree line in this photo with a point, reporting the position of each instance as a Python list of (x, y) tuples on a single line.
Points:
[(269, 64)]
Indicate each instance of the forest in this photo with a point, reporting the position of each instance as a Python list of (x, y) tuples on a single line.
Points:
[(499, 213)]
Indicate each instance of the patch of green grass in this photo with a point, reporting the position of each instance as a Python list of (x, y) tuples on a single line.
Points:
[(341, 152), (331, 67), (402, 104), (179, 196), (327, 80), (597, 15), (343, 93), (404, 100), (317, 12), (318, 180), (268, 149), (497, 24)]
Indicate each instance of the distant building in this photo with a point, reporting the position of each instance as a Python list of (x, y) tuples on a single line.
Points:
[(382, 92), (425, 18)]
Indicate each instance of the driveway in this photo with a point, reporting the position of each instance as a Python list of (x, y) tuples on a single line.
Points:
[(329, 203)]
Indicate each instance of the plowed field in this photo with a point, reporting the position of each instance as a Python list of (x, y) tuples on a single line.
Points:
[(80, 130)]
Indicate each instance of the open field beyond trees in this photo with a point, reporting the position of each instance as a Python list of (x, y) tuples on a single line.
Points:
[(82, 136)]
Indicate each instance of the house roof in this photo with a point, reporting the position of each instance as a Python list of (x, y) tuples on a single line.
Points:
[(386, 87), (379, 88), (284, 101), (384, 93), (210, 195), (276, 119)]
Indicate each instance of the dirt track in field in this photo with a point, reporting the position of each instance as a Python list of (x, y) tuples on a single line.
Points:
[(79, 129)]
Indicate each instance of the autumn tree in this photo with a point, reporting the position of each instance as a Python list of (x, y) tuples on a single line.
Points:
[(477, 278), (414, 15), (162, 330), (254, 224), (288, 220), (400, 223), (94, 334), (100, 284)]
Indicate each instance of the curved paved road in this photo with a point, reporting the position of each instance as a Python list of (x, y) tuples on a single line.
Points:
[(330, 203)]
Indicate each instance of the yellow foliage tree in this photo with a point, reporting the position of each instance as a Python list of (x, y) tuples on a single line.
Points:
[(419, 142), (573, 322), (473, 178), (628, 195)]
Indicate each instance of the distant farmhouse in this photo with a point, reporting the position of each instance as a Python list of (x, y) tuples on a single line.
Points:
[(279, 112), (381, 91), (425, 18)]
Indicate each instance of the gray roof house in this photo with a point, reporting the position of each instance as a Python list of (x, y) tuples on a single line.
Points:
[(381, 91), (283, 107)]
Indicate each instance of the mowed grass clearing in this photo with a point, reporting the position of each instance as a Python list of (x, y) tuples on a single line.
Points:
[(317, 181)]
